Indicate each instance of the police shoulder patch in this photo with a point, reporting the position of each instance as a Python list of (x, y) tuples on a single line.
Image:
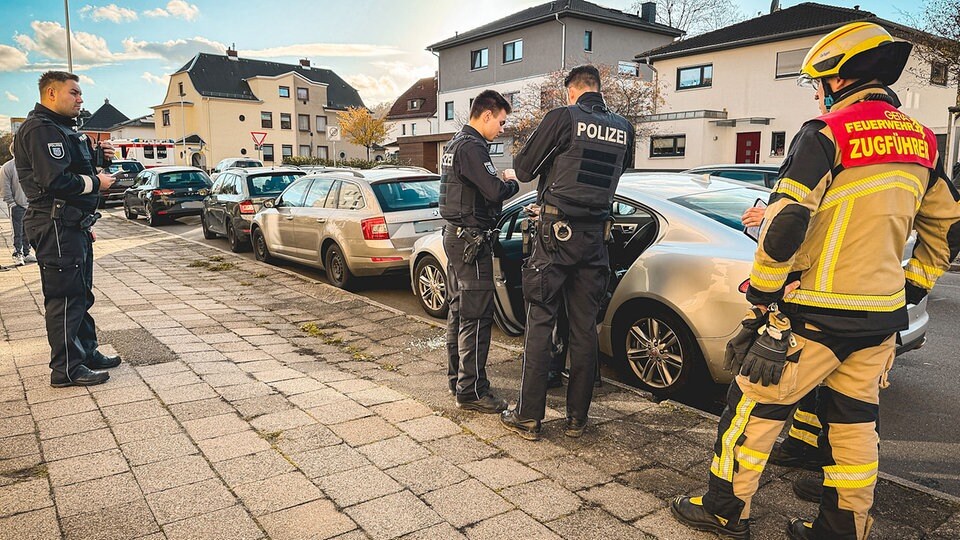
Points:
[(56, 150), (490, 168)]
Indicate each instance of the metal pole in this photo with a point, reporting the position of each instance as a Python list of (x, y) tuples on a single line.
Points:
[(950, 156), (183, 129), (66, 15)]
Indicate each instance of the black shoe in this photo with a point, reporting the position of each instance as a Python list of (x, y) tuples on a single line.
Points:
[(809, 460), (799, 529), (100, 361), (488, 404), (83, 376), (528, 429), (575, 427), (554, 379), (690, 512), (808, 488)]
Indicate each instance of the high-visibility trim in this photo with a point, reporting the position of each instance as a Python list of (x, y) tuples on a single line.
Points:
[(795, 190), (724, 464), (855, 302), (922, 274), (751, 459), (850, 476), (804, 436), (768, 278), (831, 248), (873, 184), (807, 418), (715, 466)]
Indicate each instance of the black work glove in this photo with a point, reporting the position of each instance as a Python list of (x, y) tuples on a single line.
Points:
[(765, 360), (914, 293), (739, 344)]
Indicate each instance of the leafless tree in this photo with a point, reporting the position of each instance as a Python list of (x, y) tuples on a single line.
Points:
[(695, 16), (937, 41)]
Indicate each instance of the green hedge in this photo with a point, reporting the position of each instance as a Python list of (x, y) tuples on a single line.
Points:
[(355, 163)]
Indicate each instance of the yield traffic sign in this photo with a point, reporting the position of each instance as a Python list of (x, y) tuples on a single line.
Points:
[(258, 137)]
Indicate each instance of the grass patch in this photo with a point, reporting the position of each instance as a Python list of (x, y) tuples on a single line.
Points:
[(199, 264), (216, 258), (260, 275), (245, 284), (273, 436), (220, 267)]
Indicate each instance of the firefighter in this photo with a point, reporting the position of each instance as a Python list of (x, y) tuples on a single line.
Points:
[(828, 289)]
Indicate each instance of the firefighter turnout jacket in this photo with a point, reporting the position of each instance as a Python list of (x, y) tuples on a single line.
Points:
[(856, 183), (471, 193)]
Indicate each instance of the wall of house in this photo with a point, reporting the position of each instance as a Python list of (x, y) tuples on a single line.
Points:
[(408, 127), (611, 44), (134, 132)]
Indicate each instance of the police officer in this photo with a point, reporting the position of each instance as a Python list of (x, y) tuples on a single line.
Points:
[(857, 180), (471, 199), (56, 167), (578, 152)]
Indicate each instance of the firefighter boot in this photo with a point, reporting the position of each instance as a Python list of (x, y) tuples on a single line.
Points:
[(690, 512)]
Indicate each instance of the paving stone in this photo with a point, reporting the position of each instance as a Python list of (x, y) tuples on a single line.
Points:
[(36, 525), (244, 391), (484, 503), (129, 412), (194, 410), (16, 425), (399, 411), (131, 520), (276, 493), (442, 531), (190, 500), (24, 496), (544, 500), (339, 411), (623, 502), (233, 445), (173, 380), (662, 526), (461, 448), (317, 398), (158, 449), (317, 519), (595, 524), (376, 396), (96, 494), (63, 407), (427, 474), (328, 460), (281, 421), (299, 385), (572, 472), (352, 385), (253, 467), (214, 426), (395, 451), (78, 444), (510, 526), (662, 482), (364, 430), (18, 446), (304, 438), (230, 378), (182, 394), (158, 370), (170, 473), (88, 467), (233, 523), (393, 515), (45, 393), (429, 428), (499, 473), (357, 485), (145, 429)]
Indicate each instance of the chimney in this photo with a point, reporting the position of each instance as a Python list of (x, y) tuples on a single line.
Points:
[(305, 63), (648, 12), (774, 6), (232, 52)]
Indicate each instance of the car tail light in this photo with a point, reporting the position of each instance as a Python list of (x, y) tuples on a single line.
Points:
[(744, 286), (375, 228), (246, 207), (162, 192), (385, 259)]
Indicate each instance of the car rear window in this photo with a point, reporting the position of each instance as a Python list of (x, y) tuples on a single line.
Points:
[(724, 206), (125, 166), (270, 184), (407, 194), (184, 179), (246, 164)]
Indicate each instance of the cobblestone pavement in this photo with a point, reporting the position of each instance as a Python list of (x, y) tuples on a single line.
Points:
[(255, 404)]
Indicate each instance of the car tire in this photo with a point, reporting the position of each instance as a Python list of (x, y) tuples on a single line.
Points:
[(236, 245), (207, 233), (430, 282), (128, 213), (260, 250), (153, 219), (335, 265), (654, 349)]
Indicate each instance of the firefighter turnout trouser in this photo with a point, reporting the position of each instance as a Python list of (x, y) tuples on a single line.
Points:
[(851, 370), (805, 430)]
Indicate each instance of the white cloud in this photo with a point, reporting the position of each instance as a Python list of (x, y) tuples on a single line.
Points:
[(11, 58), (49, 40), (161, 80), (374, 89), (176, 8), (322, 49), (176, 50), (11, 96), (86, 80), (111, 12), (158, 12)]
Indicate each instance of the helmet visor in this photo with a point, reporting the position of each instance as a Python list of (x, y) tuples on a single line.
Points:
[(807, 81)]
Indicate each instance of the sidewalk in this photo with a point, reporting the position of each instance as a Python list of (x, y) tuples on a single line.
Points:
[(256, 404)]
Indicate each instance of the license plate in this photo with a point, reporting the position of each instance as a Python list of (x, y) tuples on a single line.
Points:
[(427, 226), (191, 204)]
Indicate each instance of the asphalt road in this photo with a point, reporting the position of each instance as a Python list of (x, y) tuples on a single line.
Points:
[(920, 437)]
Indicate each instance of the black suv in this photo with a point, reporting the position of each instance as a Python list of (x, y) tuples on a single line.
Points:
[(236, 195), (166, 192)]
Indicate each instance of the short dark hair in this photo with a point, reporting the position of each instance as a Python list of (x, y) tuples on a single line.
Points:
[(585, 75), (489, 100), (51, 77)]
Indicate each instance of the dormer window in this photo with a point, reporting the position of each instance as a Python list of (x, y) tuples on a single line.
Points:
[(414, 104)]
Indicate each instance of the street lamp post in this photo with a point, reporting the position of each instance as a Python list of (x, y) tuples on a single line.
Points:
[(951, 157), (66, 15)]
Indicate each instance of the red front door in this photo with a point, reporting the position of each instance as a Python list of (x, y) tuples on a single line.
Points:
[(748, 147)]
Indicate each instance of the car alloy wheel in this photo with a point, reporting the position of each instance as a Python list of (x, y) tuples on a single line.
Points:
[(128, 213), (654, 352), (152, 219), (336, 267), (236, 245), (654, 349), (431, 286), (260, 250)]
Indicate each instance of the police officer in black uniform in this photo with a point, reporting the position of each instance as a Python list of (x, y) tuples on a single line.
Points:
[(471, 199), (57, 171), (578, 152)]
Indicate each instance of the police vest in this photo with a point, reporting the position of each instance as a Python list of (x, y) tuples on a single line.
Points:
[(872, 132), (77, 150), (461, 203), (587, 173)]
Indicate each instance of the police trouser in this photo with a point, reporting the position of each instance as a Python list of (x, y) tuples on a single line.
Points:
[(469, 319), (573, 273), (851, 370), (65, 257), (805, 430)]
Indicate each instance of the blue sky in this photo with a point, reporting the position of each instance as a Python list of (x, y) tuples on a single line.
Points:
[(125, 49)]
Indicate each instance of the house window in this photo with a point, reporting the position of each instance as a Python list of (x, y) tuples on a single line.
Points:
[(285, 91), (286, 151), (303, 122), (778, 144), (628, 68), (938, 73), (695, 77), (304, 150), (513, 51), (588, 40), (303, 94), (668, 146), (788, 62), (180, 89), (513, 98), (479, 59), (266, 120), (285, 122), (496, 149), (267, 150), (321, 124), (166, 118), (322, 152), (403, 129), (414, 104), (448, 108), (413, 129)]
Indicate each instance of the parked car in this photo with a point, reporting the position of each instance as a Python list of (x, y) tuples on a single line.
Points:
[(125, 171), (238, 194), (680, 262), (350, 223), (761, 175), (234, 162), (165, 193)]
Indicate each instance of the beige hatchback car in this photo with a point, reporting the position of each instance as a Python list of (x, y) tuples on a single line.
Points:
[(349, 223)]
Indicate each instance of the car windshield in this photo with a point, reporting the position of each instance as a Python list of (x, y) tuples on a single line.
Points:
[(125, 166), (408, 194), (184, 179), (724, 206), (270, 184), (246, 164)]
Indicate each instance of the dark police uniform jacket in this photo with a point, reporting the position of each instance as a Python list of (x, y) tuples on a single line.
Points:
[(471, 193)]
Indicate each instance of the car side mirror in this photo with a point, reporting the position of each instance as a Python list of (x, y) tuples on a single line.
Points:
[(269, 203)]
